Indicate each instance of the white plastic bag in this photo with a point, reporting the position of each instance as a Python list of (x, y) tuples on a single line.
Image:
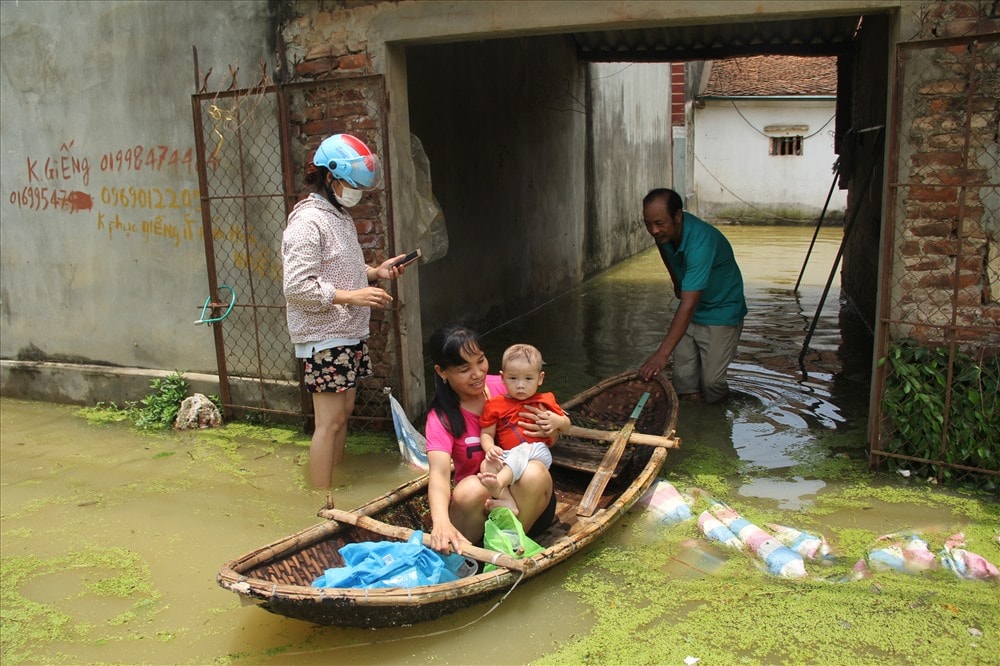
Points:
[(412, 445)]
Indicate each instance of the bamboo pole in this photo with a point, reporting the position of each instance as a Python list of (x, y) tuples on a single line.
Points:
[(403, 533), (635, 438), (611, 457)]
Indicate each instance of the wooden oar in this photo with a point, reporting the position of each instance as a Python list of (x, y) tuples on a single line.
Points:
[(614, 453), (635, 438), (403, 534)]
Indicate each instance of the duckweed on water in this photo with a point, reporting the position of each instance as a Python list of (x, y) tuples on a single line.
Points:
[(30, 627), (227, 448), (645, 613)]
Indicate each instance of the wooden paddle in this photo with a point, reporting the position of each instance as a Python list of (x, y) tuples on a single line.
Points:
[(403, 534), (634, 438), (614, 453)]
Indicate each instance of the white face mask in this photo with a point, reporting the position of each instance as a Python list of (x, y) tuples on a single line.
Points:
[(349, 198)]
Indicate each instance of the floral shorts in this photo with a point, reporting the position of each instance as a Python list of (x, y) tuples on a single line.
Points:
[(337, 368)]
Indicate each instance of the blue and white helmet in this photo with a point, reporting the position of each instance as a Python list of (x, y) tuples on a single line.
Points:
[(350, 160)]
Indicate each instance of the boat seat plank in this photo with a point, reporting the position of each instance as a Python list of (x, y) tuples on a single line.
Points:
[(584, 457)]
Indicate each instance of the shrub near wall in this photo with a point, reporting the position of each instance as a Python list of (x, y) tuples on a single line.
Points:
[(956, 422)]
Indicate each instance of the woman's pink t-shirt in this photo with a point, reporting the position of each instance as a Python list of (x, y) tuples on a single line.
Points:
[(466, 451)]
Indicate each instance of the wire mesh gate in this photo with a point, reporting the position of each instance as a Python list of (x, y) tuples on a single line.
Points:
[(937, 384), (252, 145)]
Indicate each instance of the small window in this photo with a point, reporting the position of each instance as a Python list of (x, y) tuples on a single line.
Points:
[(786, 145)]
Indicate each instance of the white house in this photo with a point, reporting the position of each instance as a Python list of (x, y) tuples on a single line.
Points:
[(762, 134)]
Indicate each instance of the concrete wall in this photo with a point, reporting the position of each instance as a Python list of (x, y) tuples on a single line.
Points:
[(737, 179), (505, 140), (100, 243), (539, 173), (629, 155)]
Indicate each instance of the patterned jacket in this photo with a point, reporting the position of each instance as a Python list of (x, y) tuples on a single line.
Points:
[(320, 254)]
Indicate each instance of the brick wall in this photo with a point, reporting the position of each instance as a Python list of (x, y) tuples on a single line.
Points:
[(326, 43), (947, 205)]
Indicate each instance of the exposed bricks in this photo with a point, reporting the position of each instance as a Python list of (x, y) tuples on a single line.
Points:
[(942, 229), (947, 281), (943, 158), (357, 62), (329, 43), (324, 127), (938, 194), (313, 68)]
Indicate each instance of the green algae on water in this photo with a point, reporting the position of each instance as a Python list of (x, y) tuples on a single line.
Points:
[(650, 605), (30, 627)]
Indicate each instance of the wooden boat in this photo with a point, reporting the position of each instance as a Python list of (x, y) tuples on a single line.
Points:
[(278, 576)]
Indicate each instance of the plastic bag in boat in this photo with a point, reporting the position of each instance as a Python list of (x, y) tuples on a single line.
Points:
[(412, 445), (505, 534), (377, 564)]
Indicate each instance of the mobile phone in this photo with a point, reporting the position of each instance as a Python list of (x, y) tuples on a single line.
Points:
[(408, 259)]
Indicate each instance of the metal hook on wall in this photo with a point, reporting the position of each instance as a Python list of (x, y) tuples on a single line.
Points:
[(210, 304)]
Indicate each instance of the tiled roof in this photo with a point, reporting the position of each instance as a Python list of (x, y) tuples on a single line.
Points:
[(772, 75)]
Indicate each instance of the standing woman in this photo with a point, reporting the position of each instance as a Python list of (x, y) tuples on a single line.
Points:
[(330, 290)]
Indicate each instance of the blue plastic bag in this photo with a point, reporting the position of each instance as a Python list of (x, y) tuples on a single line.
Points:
[(377, 564)]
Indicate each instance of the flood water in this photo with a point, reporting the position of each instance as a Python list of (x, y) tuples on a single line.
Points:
[(114, 537)]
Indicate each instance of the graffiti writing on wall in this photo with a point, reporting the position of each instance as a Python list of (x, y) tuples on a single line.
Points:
[(106, 189), (61, 184)]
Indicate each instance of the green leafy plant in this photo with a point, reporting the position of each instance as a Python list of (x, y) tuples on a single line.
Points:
[(159, 409), (917, 399)]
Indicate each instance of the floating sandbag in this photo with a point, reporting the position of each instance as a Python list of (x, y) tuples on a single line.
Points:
[(665, 503), (966, 564), (809, 546), (779, 558), (908, 554), (713, 528)]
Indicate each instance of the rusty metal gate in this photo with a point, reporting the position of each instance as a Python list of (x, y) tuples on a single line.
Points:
[(252, 145), (936, 403)]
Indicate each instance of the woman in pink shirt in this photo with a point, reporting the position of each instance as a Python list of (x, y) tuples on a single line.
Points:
[(462, 384)]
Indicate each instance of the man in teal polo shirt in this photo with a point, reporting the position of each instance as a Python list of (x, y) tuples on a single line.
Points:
[(705, 331)]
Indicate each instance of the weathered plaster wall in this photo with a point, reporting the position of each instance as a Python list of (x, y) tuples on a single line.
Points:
[(102, 259), (502, 127), (629, 140), (737, 179)]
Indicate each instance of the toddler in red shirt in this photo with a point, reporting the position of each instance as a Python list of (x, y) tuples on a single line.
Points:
[(508, 449)]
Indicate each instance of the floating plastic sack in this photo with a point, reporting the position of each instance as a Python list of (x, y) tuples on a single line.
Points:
[(412, 445), (505, 534), (666, 505), (966, 564), (809, 546), (377, 564), (713, 528), (779, 558), (909, 555)]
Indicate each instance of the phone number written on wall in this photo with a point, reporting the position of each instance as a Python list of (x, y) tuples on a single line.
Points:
[(50, 188)]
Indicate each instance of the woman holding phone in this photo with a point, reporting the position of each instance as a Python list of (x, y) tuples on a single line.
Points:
[(330, 290)]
